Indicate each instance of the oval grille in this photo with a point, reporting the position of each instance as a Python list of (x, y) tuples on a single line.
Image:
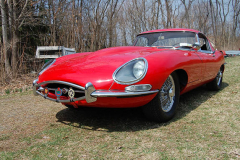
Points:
[(52, 87), (61, 91)]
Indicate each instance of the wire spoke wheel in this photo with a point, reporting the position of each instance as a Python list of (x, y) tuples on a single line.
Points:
[(164, 105), (216, 84), (167, 95), (219, 77)]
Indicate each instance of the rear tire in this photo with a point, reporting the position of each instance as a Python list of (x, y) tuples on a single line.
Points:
[(216, 84), (163, 107)]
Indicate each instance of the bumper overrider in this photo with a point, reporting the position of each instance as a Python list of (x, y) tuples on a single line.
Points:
[(61, 91)]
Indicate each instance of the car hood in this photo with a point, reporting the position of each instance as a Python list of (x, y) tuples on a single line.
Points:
[(96, 67)]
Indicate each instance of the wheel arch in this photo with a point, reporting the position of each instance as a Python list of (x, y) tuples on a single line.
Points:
[(182, 77)]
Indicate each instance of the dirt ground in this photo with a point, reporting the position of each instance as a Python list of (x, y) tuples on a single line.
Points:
[(206, 126), (18, 120)]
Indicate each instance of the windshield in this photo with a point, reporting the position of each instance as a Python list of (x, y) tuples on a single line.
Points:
[(166, 39)]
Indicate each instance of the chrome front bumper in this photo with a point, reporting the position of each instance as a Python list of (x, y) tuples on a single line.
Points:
[(91, 94)]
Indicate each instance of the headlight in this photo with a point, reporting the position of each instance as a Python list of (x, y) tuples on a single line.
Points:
[(46, 65), (131, 72), (138, 69)]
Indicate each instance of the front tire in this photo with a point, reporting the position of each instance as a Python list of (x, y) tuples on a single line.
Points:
[(163, 107)]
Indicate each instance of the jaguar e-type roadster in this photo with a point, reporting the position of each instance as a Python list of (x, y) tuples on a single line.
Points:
[(152, 74)]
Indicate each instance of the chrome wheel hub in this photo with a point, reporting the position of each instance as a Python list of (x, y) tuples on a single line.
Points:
[(167, 94)]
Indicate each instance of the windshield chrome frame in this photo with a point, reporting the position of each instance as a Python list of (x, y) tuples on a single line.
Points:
[(134, 44)]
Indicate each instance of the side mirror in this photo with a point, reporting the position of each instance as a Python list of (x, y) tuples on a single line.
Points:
[(196, 45)]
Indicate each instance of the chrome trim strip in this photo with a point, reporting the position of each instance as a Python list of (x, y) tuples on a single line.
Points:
[(206, 51), (62, 82), (121, 94), (134, 81)]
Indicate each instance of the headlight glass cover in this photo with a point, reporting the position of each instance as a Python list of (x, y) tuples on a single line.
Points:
[(131, 72), (47, 65)]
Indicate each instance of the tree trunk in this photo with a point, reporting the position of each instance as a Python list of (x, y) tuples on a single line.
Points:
[(6, 44), (14, 52), (15, 40)]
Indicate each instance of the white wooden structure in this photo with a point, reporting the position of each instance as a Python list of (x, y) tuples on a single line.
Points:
[(53, 51)]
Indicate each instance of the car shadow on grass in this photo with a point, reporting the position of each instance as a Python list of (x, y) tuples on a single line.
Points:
[(130, 119)]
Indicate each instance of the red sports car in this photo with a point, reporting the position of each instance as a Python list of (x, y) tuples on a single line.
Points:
[(152, 74)]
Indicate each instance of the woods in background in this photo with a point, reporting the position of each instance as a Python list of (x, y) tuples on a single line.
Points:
[(89, 25)]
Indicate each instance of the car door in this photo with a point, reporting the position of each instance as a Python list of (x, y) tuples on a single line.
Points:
[(209, 58)]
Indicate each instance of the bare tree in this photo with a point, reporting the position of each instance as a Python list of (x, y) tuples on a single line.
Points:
[(89, 25), (6, 43), (235, 18), (187, 13)]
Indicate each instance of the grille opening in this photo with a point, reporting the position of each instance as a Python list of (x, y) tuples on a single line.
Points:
[(53, 86)]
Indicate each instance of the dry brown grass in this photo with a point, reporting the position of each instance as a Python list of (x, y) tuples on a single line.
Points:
[(206, 126), (18, 85)]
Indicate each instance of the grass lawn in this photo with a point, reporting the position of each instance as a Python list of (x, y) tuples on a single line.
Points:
[(207, 125)]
